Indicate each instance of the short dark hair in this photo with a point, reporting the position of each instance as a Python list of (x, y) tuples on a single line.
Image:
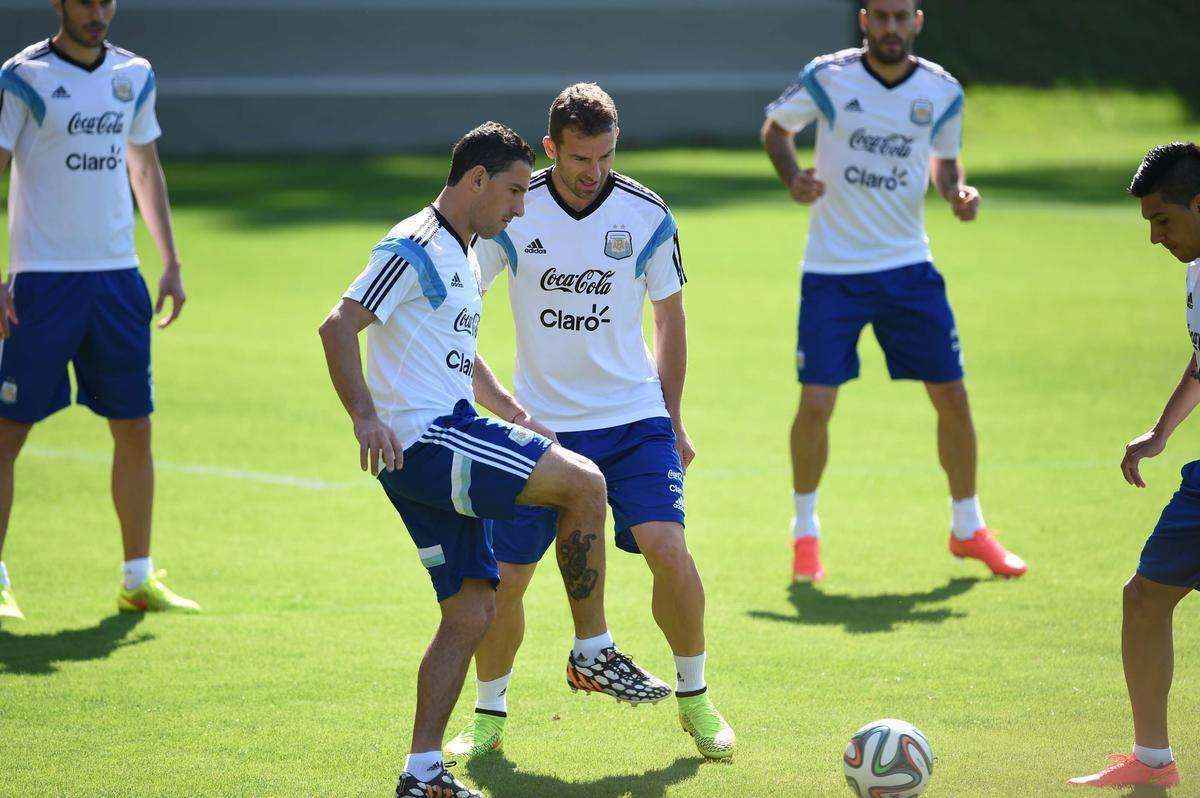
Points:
[(1172, 169), (916, 4), (584, 107), (493, 146)]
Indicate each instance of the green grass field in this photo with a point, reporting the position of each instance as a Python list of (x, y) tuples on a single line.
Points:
[(298, 679)]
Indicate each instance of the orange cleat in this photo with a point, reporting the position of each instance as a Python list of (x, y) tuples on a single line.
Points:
[(985, 548), (806, 560), (1127, 771)]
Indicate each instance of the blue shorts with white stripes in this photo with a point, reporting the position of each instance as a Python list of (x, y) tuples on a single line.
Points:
[(464, 469)]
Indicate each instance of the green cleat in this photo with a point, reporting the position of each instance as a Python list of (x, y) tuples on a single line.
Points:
[(8, 605), (699, 718), (484, 733), (154, 596)]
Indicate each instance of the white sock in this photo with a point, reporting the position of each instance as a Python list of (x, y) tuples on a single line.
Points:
[(1153, 757), (689, 675), (805, 523), (493, 696), (966, 517), (586, 651), (136, 572), (4, 576), (424, 766)]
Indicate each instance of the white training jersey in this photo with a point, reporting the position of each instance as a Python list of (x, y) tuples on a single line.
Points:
[(1193, 314), (67, 125), (578, 282), (422, 283), (874, 145)]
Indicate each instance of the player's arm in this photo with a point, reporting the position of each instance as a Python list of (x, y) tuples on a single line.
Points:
[(670, 354), (150, 188), (498, 401), (949, 177), (780, 144), (1151, 444), (339, 336)]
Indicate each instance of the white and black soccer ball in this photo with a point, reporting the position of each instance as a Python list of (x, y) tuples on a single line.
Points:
[(888, 759)]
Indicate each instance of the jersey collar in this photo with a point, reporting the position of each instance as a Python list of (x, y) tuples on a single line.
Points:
[(92, 67), (591, 206), (889, 86), (445, 223)]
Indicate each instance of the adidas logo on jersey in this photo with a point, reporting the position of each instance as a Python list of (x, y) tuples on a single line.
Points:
[(456, 282), (61, 93), (853, 105), (535, 247)]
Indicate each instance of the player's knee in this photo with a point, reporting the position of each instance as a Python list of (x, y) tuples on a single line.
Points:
[(133, 432), (587, 491), (667, 552), (949, 397), (12, 438), (1141, 603), (475, 622), (815, 410)]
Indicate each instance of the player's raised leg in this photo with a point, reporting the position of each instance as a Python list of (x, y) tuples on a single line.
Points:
[(574, 487), (810, 452), (12, 438), (956, 441), (678, 606)]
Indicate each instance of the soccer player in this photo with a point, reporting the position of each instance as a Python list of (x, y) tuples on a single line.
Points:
[(445, 468), (1168, 185), (591, 247), (882, 116), (77, 122)]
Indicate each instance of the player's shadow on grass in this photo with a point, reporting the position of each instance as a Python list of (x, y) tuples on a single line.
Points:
[(39, 654), (1146, 791), (867, 614), (496, 774)]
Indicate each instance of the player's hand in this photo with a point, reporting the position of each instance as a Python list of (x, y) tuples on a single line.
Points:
[(683, 445), (170, 285), (806, 188), (1151, 444), (8, 309), (966, 203), (523, 419), (377, 445)]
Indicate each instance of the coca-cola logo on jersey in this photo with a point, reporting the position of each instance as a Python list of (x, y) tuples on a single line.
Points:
[(107, 123), (894, 145), (467, 322), (596, 282)]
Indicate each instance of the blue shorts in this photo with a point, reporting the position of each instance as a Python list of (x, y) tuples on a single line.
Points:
[(645, 483), (97, 321), (463, 469), (1172, 554), (908, 310)]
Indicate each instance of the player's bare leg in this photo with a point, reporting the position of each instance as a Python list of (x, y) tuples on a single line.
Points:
[(678, 597), (465, 619), (12, 437), (133, 483), (810, 452), (574, 486), (957, 451), (1147, 650), (497, 652)]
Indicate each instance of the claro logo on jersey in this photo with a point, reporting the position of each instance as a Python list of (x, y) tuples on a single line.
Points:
[(892, 145), (460, 362), (87, 162), (467, 322), (597, 282), (554, 319), (887, 181), (107, 123)]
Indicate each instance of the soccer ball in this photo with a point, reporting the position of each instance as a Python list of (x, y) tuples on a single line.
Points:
[(888, 759)]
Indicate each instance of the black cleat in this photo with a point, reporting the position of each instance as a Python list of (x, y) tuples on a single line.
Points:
[(614, 674), (441, 785)]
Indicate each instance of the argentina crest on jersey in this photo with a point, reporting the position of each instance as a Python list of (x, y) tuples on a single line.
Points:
[(618, 244), (122, 89), (921, 112)]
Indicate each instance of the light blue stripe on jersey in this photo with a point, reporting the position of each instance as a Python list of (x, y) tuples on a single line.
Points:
[(506, 243), (145, 94), (460, 485), (954, 109), (11, 81), (431, 283), (808, 79), (663, 234)]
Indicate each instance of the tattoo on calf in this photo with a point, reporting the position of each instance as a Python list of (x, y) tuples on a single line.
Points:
[(580, 580)]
